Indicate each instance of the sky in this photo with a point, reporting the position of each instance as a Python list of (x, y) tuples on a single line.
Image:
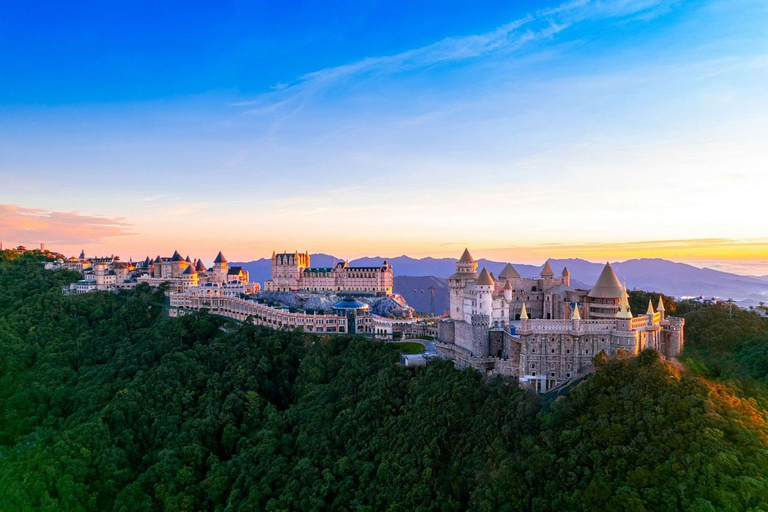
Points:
[(523, 130)]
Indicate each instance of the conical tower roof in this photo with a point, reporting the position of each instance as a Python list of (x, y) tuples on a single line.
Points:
[(660, 307), (466, 257), (650, 308), (485, 278), (509, 272), (200, 267), (576, 315), (176, 256), (507, 286), (82, 254), (547, 270), (220, 258), (624, 311), (158, 260), (189, 271), (187, 259), (523, 313), (607, 285)]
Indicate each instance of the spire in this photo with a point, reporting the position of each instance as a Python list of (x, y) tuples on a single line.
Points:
[(660, 307), (466, 257), (274, 255), (624, 311), (199, 266), (220, 258), (650, 308), (576, 315), (187, 259), (485, 278), (566, 272), (607, 285), (547, 270), (523, 313), (158, 260)]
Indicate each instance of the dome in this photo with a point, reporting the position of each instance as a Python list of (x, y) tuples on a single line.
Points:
[(350, 304)]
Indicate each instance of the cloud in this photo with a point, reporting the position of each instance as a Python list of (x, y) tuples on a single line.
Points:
[(32, 225), (539, 25)]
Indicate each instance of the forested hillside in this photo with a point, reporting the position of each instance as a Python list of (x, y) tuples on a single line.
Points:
[(106, 405)]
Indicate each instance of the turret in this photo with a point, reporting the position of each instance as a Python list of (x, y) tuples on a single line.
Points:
[(566, 277), (523, 317), (576, 318), (660, 308), (484, 290), (650, 311), (508, 292), (546, 272)]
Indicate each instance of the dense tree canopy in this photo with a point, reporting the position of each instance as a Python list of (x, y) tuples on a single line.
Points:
[(107, 405)]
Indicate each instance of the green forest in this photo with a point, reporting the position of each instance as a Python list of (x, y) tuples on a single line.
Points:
[(105, 404)]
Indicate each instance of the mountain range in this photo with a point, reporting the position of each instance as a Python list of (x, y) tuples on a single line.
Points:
[(676, 279)]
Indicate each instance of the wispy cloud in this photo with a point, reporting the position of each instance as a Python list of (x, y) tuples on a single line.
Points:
[(28, 225), (539, 25)]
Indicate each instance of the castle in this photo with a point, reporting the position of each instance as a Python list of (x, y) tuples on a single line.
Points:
[(293, 272), (540, 330), (107, 273)]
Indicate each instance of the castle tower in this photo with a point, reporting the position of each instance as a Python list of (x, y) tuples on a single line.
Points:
[(576, 318), (507, 292), (483, 294), (566, 277), (524, 318), (546, 272), (606, 295), (624, 314), (220, 268), (660, 307), (466, 273)]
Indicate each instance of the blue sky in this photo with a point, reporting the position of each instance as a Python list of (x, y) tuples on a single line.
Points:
[(520, 129)]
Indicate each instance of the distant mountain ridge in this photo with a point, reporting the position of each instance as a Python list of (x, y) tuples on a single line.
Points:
[(656, 274)]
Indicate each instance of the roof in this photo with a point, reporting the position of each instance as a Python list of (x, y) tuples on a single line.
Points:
[(200, 267), (660, 307), (176, 256), (547, 270), (189, 271), (566, 271), (650, 310), (220, 258), (485, 278), (158, 260), (624, 309), (234, 270), (523, 312), (607, 285), (509, 272), (466, 257), (576, 315), (464, 275), (187, 259), (350, 304)]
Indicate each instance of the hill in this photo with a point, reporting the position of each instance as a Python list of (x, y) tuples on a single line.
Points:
[(106, 405)]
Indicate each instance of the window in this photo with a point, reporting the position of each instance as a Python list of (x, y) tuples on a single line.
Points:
[(568, 351), (552, 374), (553, 351), (533, 374), (568, 375)]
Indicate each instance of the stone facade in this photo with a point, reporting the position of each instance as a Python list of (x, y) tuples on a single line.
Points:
[(532, 329)]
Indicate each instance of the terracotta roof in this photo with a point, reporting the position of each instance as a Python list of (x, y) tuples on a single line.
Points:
[(220, 258), (607, 285), (466, 257), (485, 278), (509, 272), (507, 286), (547, 270)]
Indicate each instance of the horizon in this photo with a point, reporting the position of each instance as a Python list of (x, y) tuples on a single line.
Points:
[(608, 130)]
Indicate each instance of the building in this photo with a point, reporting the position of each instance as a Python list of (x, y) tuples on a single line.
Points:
[(540, 330), (295, 273)]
